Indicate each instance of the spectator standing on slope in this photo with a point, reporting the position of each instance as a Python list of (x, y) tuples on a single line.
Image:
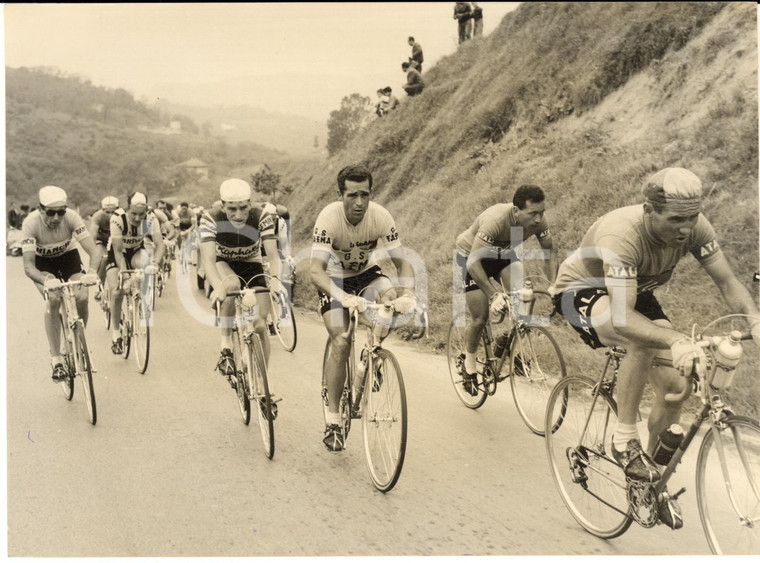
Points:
[(477, 20), (414, 83), (416, 59), (463, 14)]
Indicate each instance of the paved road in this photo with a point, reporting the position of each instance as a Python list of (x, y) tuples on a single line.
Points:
[(170, 469)]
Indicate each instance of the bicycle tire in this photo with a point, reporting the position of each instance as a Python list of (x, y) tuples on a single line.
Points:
[(384, 421), (84, 371), (581, 464), (241, 377), (532, 381), (284, 322), (344, 406), (260, 396), (727, 532), (67, 385), (455, 351), (141, 332), (126, 329)]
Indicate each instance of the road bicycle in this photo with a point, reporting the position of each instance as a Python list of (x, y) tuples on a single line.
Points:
[(105, 305), (250, 380), (281, 319), (76, 354), (136, 317), (594, 487), (375, 393), (526, 353)]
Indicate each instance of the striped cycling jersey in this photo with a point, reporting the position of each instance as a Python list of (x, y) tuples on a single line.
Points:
[(618, 246), (497, 227), (50, 243), (352, 247), (237, 244), (133, 236)]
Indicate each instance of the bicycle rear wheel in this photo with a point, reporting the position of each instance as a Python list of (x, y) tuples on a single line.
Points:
[(141, 332), (728, 486), (384, 421), (241, 377), (536, 367), (590, 482), (260, 397), (284, 322), (84, 371), (455, 351)]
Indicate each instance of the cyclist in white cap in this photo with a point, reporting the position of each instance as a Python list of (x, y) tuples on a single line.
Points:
[(100, 230), (127, 251), (605, 290), (231, 241), (50, 256)]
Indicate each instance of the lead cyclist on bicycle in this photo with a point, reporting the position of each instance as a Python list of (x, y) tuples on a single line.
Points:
[(605, 290), (346, 233), (486, 250), (50, 255)]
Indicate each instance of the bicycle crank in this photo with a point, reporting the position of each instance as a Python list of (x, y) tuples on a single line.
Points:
[(642, 502)]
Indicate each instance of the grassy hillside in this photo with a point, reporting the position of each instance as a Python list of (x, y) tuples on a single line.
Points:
[(586, 100), (94, 141)]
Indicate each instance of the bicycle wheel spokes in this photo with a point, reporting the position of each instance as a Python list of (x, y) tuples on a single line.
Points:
[(84, 371), (589, 481), (67, 385), (284, 322), (728, 487), (455, 351), (536, 367), (260, 398), (126, 328), (384, 422), (105, 302), (141, 332), (241, 377)]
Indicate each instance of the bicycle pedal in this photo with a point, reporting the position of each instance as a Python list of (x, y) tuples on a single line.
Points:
[(678, 493)]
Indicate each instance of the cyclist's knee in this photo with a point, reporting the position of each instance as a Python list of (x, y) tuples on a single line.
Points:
[(340, 344)]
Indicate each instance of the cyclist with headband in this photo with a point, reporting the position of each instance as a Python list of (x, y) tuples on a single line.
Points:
[(605, 290), (50, 234)]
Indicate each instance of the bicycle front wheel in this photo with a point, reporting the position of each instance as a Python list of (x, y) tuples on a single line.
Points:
[(67, 385), (384, 421), (728, 486), (590, 482), (260, 397), (455, 351), (141, 332), (126, 328), (84, 371), (241, 377), (284, 322), (536, 367)]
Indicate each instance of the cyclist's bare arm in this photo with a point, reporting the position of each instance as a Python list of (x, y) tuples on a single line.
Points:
[(270, 247), (208, 259), (404, 269), (158, 240), (30, 269), (88, 245), (93, 228), (319, 277), (632, 325), (737, 296), (551, 265), (118, 252), (479, 251)]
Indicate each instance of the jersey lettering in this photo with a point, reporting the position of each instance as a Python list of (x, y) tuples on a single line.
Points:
[(708, 248), (621, 272)]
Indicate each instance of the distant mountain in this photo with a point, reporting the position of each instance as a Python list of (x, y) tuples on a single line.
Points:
[(290, 133)]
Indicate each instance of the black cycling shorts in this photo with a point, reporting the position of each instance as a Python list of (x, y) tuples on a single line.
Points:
[(128, 253), (576, 307), (62, 267), (247, 272), (353, 285), (492, 266)]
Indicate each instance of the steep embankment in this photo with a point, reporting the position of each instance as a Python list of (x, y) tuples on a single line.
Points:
[(586, 100)]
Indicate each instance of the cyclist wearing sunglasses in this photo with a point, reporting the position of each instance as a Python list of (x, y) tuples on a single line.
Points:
[(100, 229), (127, 251), (51, 256)]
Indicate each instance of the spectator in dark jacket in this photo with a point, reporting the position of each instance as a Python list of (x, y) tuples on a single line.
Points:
[(477, 20), (463, 14), (416, 59), (414, 83)]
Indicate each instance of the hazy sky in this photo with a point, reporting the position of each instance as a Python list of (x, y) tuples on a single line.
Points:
[(292, 57)]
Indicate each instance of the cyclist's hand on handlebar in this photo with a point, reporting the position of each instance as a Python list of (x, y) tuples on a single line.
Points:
[(90, 279), (52, 283), (150, 269), (355, 302), (275, 285), (684, 353), (498, 304), (404, 304), (218, 295)]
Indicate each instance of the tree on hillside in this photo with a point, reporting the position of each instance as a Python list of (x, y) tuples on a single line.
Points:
[(268, 182), (345, 122)]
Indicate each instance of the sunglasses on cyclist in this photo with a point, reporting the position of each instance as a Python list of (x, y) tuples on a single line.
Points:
[(51, 212)]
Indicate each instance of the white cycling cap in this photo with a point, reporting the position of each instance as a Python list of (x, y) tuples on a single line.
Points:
[(109, 201), (52, 196), (674, 187), (235, 190), (138, 198)]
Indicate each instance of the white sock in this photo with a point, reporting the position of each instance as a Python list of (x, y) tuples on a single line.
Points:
[(623, 433), (227, 342), (56, 360), (115, 335), (332, 418), (470, 362)]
